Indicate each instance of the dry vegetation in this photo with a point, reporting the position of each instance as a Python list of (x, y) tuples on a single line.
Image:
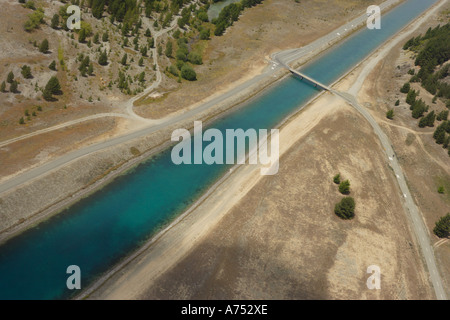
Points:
[(425, 163)]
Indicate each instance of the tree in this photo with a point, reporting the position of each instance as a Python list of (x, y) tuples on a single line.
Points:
[(440, 137), (52, 87), (44, 46), (397, 103), (441, 189), (124, 59), (205, 33), (34, 20), (55, 21), (10, 77), (148, 33), (188, 73), (141, 62), (82, 35), (26, 72), (142, 76), (427, 121), (96, 36), (52, 66), (345, 209), (103, 59), (3, 87), (21, 121), (337, 178), (144, 51), (169, 49), (90, 69), (13, 87), (105, 37), (390, 114), (195, 58), (406, 87), (411, 97), (97, 8), (344, 187), (442, 228)]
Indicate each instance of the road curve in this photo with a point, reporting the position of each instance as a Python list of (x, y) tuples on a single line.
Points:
[(415, 217)]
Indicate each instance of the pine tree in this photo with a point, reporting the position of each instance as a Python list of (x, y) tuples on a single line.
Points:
[(91, 69), (169, 49), (124, 59), (3, 87), (442, 228), (10, 77), (52, 87), (13, 87), (103, 59), (55, 21), (26, 72), (105, 37), (82, 36), (344, 187), (52, 66), (44, 46), (390, 114)]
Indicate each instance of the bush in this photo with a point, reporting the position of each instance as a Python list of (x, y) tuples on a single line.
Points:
[(34, 20), (204, 34), (52, 66), (10, 77), (390, 114), (44, 46), (195, 58), (344, 187), (26, 72), (13, 87), (406, 87), (442, 228), (173, 70), (52, 87), (337, 178), (188, 73), (345, 209)]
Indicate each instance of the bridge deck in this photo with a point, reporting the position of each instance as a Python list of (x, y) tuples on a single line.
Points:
[(314, 82)]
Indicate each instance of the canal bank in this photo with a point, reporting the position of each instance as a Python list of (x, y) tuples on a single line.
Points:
[(288, 94)]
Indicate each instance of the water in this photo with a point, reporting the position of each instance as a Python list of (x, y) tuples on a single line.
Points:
[(215, 8), (99, 230)]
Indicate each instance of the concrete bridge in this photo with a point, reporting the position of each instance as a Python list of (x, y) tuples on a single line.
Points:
[(302, 76)]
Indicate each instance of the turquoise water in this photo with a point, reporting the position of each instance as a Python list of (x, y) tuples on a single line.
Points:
[(100, 230)]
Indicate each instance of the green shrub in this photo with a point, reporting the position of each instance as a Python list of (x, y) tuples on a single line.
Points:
[(345, 209)]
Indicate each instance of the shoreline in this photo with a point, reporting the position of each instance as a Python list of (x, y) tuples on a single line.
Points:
[(375, 55), (231, 105)]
